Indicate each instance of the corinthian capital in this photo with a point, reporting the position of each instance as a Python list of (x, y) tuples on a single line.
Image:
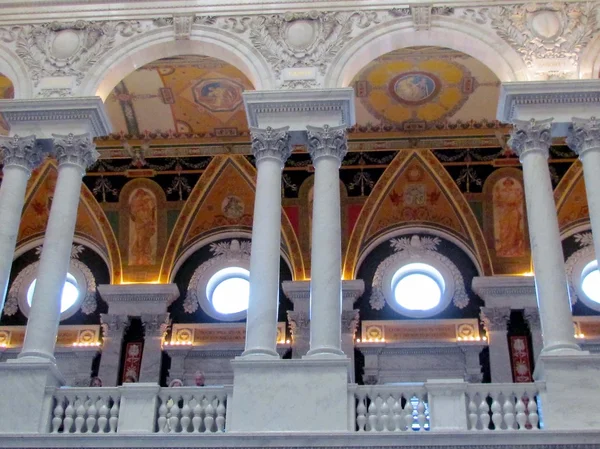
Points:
[(20, 152), (532, 316), (495, 319), (533, 136), (113, 324), (75, 149), (327, 141), (585, 135), (271, 143), (155, 325)]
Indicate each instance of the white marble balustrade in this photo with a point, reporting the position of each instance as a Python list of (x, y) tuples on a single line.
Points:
[(192, 410), (391, 408), (85, 410), (503, 407)]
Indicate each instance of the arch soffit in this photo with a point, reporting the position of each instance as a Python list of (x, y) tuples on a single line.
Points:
[(378, 194), (14, 69), (566, 184), (589, 64), (110, 253), (469, 38), (194, 202), (157, 44)]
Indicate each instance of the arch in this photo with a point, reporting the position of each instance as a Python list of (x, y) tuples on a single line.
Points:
[(470, 230), (160, 43), (469, 38), (14, 69), (589, 63)]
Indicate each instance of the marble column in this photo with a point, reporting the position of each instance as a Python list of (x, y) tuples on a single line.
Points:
[(327, 147), (271, 148), (74, 155), (20, 157), (531, 141), (113, 330), (532, 316), (585, 141), (155, 328), (495, 321)]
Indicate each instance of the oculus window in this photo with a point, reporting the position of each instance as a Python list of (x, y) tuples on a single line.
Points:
[(228, 290), (69, 296)]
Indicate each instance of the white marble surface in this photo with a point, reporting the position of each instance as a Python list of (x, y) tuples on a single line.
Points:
[(447, 404), (572, 395), (139, 403), (25, 407), (289, 395), (135, 299), (151, 359)]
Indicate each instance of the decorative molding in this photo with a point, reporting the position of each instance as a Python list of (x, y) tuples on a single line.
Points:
[(79, 150), (515, 292), (155, 325), (533, 136), (58, 92), (20, 152), (576, 263), (412, 250), (271, 143), (495, 319), (585, 135), (421, 16), (68, 48), (183, 27), (327, 142)]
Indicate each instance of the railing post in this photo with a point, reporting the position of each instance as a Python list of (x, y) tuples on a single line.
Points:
[(139, 403), (447, 404)]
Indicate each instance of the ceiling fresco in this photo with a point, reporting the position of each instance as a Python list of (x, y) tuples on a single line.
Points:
[(194, 95), (7, 92), (415, 89)]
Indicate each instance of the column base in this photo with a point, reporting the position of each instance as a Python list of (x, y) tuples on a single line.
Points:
[(289, 396), (326, 353), (35, 357), (259, 353), (23, 386), (572, 394)]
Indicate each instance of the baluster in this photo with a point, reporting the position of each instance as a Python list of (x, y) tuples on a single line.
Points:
[(408, 414), (90, 422), (421, 413), (102, 416), (58, 415), (185, 414), (373, 413), (496, 412), (197, 419), (174, 418), (473, 416), (220, 420), (79, 419), (162, 416), (508, 410), (209, 418), (397, 413), (69, 416), (385, 415), (521, 416), (361, 411), (532, 408), (484, 413), (113, 421)]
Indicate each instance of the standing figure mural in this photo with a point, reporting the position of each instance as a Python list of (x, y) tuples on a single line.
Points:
[(509, 222), (142, 227)]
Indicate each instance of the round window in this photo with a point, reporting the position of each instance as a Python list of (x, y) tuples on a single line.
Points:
[(418, 286), (590, 281), (70, 293), (228, 290)]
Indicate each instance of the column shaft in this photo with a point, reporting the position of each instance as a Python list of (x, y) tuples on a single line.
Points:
[(155, 327), (113, 330), (74, 154), (271, 147), (531, 140), (20, 157), (495, 321), (327, 147)]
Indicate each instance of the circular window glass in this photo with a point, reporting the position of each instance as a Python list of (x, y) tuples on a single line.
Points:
[(70, 293), (590, 281), (418, 286), (228, 290)]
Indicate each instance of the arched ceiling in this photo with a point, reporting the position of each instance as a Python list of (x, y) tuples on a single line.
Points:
[(421, 88), (7, 92), (195, 95)]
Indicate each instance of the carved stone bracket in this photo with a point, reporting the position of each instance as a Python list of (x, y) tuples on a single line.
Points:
[(21, 152), (495, 319)]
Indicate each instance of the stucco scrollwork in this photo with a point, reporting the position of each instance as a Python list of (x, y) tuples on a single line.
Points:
[(577, 261), (67, 48), (417, 249)]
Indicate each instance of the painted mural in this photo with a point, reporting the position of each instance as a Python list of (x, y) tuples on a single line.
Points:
[(509, 222), (142, 227), (7, 91)]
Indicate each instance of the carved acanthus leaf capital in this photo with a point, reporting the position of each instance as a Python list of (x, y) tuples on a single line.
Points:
[(533, 136), (299, 323), (113, 324), (21, 152), (327, 141), (532, 316), (75, 149), (495, 319), (585, 135), (271, 143), (350, 321), (156, 325)]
